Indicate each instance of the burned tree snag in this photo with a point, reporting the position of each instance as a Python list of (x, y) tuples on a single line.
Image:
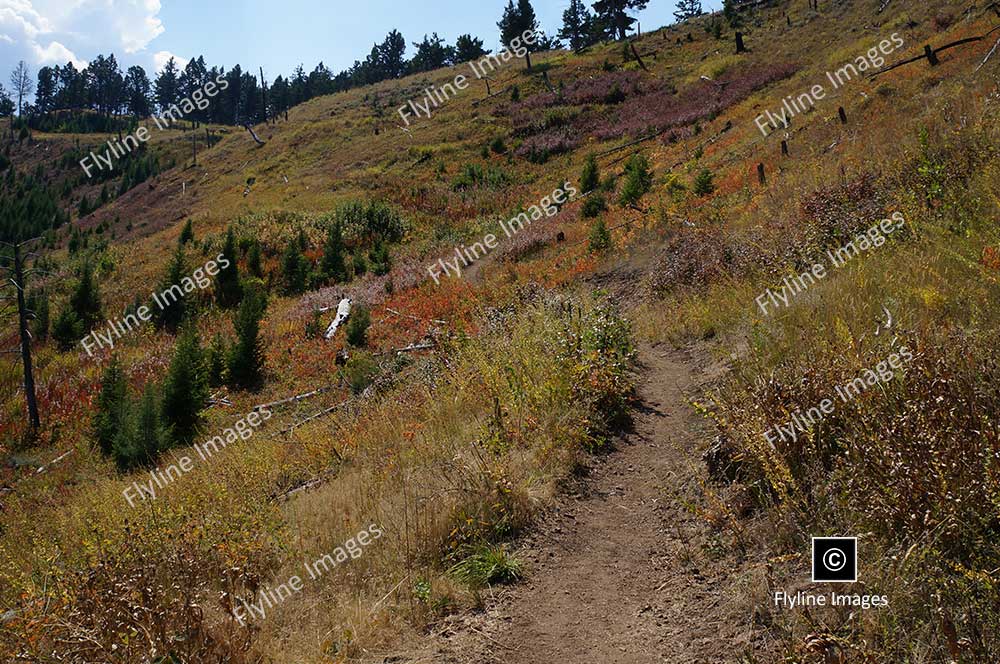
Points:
[(931, 55)]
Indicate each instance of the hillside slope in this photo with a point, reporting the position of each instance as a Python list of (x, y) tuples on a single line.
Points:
[(450, 429)]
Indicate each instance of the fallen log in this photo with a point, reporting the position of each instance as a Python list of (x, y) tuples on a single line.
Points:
[(343, 311)]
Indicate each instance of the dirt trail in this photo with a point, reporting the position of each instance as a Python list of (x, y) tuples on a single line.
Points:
[(621, 570)]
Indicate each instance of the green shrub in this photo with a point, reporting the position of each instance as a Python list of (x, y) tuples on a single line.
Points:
[(487, 566), (360, 372)]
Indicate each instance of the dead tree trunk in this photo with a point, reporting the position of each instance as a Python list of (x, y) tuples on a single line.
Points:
[(637, 58), (22, 317), (263, 94), (254, 134)]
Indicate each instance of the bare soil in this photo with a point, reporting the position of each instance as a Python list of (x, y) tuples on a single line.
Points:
[(626, 567)]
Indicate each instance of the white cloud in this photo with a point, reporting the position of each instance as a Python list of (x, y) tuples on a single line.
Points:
[(52, 31), (160, 59), (56, 54)]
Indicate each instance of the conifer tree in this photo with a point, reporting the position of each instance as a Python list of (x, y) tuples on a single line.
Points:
[(173, 309), (246, 359), (357, 326), (333, 266), (38, 303), (141, 436), (111, 402), (294, 269), (613, 16), (590, 178), (468, 48), (67, 329), (86, 299), (254, 260), (517, 20), (227, 281), (185, 389), (687, 9), (578, 25), (187, 233), (638, 180), (215, 362)]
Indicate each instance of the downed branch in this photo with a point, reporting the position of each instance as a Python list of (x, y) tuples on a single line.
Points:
[(399, 313), (988, 56), (297, 397), (325, 411), (930, 51), (477, 102), (409, 349), (254, 134), (219, 400)]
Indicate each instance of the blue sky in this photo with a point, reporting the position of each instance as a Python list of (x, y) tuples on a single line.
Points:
[(253, 33)]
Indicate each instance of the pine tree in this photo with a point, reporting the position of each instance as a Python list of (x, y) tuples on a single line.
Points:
[(141, 436), (174, 305), (294, 269), (185, 389), (578, 25), (227, 281), (254, 260), (38, 303), (111, 402), (687, 9), (215, 360), (357, 326), (379, 259), (67, 329), (468, 48), (187, 233), (704, 183), (613, 16), (86, 299), (246, 358), (638, 180), (167, 85), (590, 178), (731, 11), (333, 267), (515, 22), (600, 236)]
